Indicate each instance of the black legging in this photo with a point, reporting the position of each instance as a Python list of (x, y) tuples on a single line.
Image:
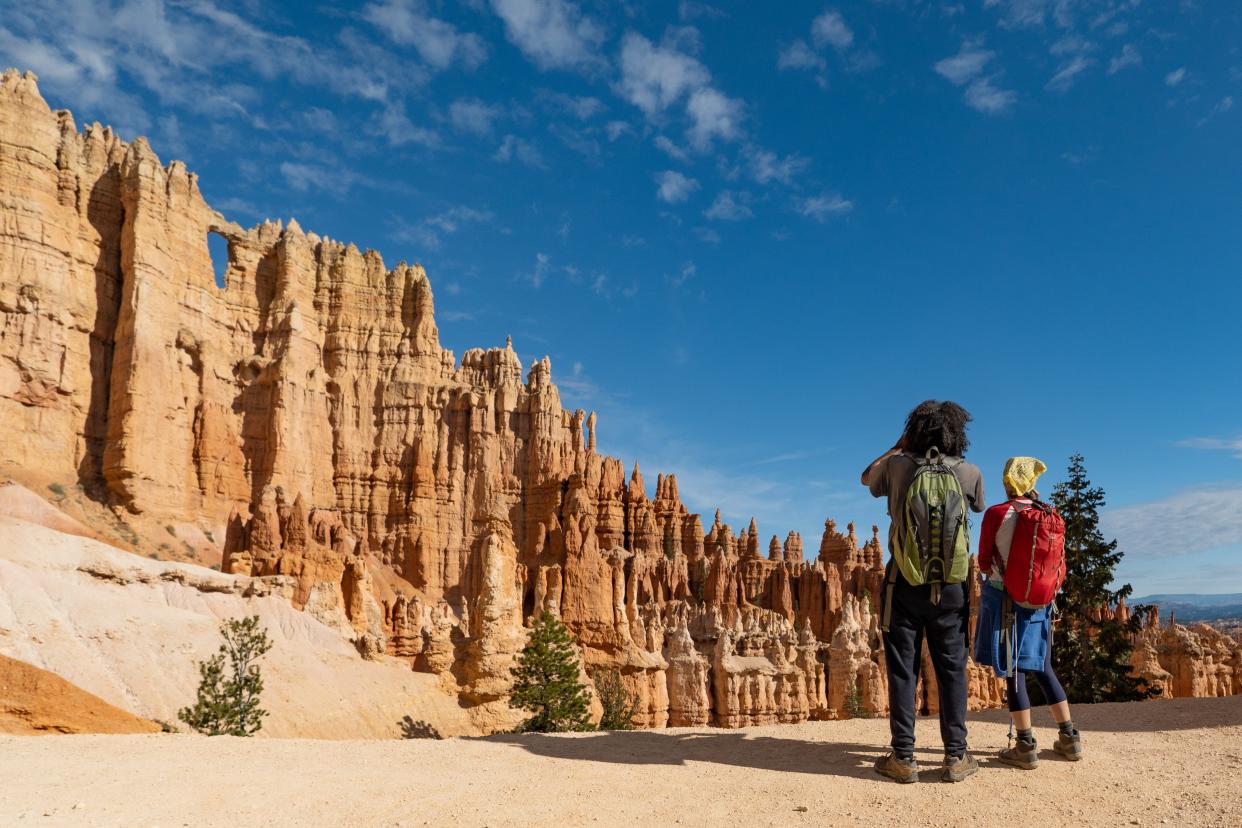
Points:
[(1048, 682)]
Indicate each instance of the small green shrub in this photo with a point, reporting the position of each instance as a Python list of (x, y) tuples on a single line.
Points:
[(619, 704), (229, 706), (853, 702), (56, 489)]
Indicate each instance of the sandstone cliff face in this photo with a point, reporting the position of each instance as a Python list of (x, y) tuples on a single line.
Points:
[(306, 415), (1196, 661)]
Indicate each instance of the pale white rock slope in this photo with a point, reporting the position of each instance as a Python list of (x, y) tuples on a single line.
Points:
[(130, 630)]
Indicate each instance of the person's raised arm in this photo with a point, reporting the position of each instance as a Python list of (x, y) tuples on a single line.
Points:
[(867, 472)]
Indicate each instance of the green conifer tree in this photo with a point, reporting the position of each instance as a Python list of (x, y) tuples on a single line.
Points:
[(547, 683), (229, 705), (1092, 659)]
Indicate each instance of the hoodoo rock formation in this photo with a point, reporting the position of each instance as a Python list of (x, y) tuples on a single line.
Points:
[(304, 417)]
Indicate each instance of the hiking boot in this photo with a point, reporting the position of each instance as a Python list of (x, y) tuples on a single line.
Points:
[(1069, 746), (957, 768), (1022, 755), (896, 768)]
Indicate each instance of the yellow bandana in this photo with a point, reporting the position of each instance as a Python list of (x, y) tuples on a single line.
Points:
[(1021, 473)]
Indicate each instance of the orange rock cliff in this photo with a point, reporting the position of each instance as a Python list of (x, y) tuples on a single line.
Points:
[(305, 416)]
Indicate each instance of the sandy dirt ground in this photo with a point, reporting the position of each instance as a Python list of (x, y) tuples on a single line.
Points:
[(1173, 762)]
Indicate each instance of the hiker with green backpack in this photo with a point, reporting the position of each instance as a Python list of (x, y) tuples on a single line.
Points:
[(929, 487)]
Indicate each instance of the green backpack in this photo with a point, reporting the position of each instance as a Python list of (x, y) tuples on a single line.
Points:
[(933, 536)]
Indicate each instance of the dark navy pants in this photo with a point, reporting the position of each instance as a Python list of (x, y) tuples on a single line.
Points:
[(945, 627)]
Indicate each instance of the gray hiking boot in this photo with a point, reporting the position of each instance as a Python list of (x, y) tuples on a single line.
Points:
[(1069, 746), (896, 768), (957, 768), (1022, 755)]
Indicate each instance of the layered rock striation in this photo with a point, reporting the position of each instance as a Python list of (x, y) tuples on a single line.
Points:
[(305, 414)]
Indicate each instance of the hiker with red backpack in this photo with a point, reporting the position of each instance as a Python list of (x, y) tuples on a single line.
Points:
[(929, 487), (1022, 562)]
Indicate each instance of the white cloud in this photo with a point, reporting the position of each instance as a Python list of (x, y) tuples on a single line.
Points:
[(1068, 72), (830, 29), (431, 229), (669, 147), (582, 107), (514, 148), (653, 78), (674, 187), (1194, 520), (179, 53), (438, 43), (687, 272), (707, 235), (713, 115), (554, 34), (303, 177), (966, 65), (1129, 57), (966, 69), (472, 115), (1175, 77), (615, 129), (1233, 445), (392, 123), (765, 166), (1020, 14), (824, 206), (729, 206), (987, 98), (537, 275), (798, 55), (1225, 104)]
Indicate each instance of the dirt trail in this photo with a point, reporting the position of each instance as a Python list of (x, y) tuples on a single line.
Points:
[(1173, 762)]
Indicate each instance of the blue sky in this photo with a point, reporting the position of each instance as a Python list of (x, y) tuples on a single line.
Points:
[(752, 236)]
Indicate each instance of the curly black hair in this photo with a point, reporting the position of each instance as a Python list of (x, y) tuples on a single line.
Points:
[(937, 423)]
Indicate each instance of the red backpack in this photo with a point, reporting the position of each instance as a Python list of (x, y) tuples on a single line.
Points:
[(1036, 566)]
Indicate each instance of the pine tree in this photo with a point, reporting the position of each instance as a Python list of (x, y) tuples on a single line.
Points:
[(854, 707), (1091, 658), (619, 704), (546, 681), (229, 706)]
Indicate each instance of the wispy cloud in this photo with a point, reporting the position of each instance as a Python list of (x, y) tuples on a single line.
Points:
[(438, 43), (729, 206), (1129, 56), (1223, 105), (1194, 520), (430, 231), (515, 148), (966, 68), (1175, 77), (673, 187), (473, 116), (553, 34), (539, 272), (823, 206), (765, 166), (1233, 445), (798, 55), (656, 78)]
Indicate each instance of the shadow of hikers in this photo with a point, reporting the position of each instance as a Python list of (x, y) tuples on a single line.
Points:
[(730, 747), (411, 729)]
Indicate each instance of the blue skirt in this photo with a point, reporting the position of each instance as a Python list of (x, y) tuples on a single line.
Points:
[(1031, 635)]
